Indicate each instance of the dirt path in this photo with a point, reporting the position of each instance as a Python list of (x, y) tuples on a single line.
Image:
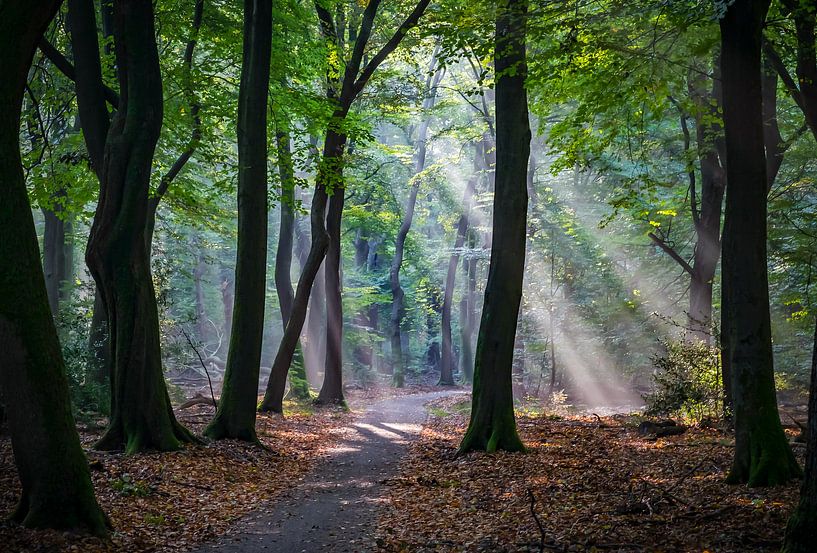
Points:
[(335, 507)]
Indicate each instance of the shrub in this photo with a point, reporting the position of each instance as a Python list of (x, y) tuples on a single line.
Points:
[(687, 382)]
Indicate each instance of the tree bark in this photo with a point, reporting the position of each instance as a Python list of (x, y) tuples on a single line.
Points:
[(492, 425), (141, 414), (447, 350), (235, 417), (801, 532), (298, 383), (56, 256), (53, 471), (762, 454)]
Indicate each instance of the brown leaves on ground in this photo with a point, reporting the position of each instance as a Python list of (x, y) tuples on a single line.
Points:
[(170, 501), (594, 485)]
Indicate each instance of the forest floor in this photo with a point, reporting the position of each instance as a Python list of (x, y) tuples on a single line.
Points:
[(378, 479), (174, 501), (586, 484)]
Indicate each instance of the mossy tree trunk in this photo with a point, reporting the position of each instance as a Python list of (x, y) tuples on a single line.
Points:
[(53, 471), (762, 454), (801, 532), (493, 425), (235, 417), (141, 414)]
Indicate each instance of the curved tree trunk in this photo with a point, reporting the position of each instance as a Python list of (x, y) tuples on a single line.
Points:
[(332, 388), (235, 417), (762, 454), (141, 415), (332, 152), (493, 426), (298, 384), (53, 471)]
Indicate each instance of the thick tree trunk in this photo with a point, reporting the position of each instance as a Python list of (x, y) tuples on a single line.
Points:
[(235, 417), (298, 384), (493, 426), (53, 471), (762, 454), (141, 414), (801, 532), (398, 308)]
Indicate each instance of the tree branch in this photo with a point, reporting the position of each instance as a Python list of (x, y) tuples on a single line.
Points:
[(672, 253), (410, 22), (67, 68)]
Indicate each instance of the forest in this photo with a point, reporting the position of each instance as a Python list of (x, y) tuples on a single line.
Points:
[(408, 276)]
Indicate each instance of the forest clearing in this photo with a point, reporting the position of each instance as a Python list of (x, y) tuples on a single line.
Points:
[(408, 276)]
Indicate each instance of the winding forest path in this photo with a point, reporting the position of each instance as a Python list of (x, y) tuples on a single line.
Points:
[(335, 508)]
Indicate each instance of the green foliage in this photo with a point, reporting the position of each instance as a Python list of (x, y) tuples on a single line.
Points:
[(128, 486), (688, 382), (90, 394)]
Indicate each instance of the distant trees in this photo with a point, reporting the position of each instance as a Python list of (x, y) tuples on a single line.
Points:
[(762, 454), (53, 471), (492, 426)]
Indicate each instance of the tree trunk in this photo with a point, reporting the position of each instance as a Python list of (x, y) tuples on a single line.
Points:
[(333, 148), (57, 258), (202, 329), (332, 388), (762, 454), (53, 471), (447, 350), (235, 417), (493, 426), (801, 532), (398, 309), (141, 414), (467, 312), (298, 384)]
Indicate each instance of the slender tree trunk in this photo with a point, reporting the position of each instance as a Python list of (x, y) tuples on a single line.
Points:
[(56, 257), (447, 350), (801, 532), (298, 383), (141, 414), (493, 426), (762, 454), (467, 310), (53, 471), (332, 388), (235, 417), (333, 148), (202, 330)]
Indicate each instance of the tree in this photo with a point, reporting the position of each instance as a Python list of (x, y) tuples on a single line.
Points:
[(492, 425), (141, 414), (53, 471), (762, 454), (235, 417), (801, 532), (344, 85), (429, 95)]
